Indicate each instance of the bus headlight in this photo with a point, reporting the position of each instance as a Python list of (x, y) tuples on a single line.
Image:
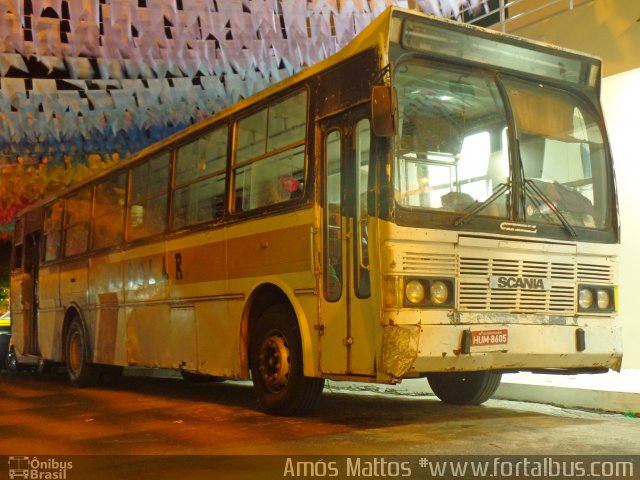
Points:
[(418, 292), (585, 298), (439, 292), (596, 298), (427, 292), (603, 299), (414, 291)]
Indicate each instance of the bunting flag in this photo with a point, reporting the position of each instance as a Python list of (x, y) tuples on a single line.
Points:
[(109, 77)]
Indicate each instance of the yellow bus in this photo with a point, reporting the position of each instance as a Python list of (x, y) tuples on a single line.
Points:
[(436, 200)]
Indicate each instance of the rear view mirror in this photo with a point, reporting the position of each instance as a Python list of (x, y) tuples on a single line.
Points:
[(383, 111)]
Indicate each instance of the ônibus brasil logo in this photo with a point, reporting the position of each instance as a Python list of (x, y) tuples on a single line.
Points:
[(33, 468)]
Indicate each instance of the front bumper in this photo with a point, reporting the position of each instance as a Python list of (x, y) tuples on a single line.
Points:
[(582, 343)]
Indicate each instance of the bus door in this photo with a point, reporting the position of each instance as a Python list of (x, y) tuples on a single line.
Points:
[(347, 314), (31, 263), (27, 253)]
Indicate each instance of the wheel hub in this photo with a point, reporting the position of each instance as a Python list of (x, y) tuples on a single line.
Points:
[(275, 362)]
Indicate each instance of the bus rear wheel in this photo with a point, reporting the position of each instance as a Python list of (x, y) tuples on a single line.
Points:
[(276, 365), (464, 388), (81, 372)]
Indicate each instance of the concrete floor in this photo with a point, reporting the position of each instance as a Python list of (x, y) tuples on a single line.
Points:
[(151, 427), (609, 392)]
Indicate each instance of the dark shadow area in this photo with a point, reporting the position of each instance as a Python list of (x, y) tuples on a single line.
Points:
[(353, 409), (150, 415)]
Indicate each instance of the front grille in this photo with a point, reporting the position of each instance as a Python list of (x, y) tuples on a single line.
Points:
[(475, 292), (594, 273), (474, 273), (430, 264), (476, 295), (526, 268)]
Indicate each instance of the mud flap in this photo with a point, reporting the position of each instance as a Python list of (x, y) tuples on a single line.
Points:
[(399, 351)]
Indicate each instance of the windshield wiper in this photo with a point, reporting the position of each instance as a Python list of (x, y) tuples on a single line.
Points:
[(529, 185), (500, 189)]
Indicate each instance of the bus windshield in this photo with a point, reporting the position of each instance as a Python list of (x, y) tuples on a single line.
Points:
[(452, 151), (563, 156)]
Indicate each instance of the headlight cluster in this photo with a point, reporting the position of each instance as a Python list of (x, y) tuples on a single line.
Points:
[(594, 298), (419, 292)]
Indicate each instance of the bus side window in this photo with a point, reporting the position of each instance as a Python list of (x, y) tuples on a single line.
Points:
[(148, 190), (77, 218), (199, 182), (270, 154), (53, 214), (272, 180), (107, 222)]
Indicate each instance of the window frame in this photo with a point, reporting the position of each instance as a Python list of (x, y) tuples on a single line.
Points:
[(414, 217), (332, 245), (221, 173), (233, 167), (46, 232), (123, 209), (128, 237), (66, 227)]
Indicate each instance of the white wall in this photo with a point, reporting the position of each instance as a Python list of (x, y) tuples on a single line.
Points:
[(610, 30), (621, 103), (606, 28)]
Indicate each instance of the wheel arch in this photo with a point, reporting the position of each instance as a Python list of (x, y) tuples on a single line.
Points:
[(262, 297)]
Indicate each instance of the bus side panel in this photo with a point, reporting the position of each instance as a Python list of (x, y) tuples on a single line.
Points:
[(203, 330), (148, 316), (197, 266), (50, 313), (182, 345), (271, 248), (148, 335), (74, 292), (74, 283), (218, 326), (107, 293)]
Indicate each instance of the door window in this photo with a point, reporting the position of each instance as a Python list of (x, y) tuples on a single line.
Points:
[(361, 177), (333, 218)]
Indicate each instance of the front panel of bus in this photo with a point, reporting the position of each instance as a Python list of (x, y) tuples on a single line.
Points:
[(498, 250)]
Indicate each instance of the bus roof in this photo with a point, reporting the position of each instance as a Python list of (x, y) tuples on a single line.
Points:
[(377, 34)]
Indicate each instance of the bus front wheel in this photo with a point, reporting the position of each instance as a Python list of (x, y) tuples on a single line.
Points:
[(81, 372), (276, 365), (464, 388)]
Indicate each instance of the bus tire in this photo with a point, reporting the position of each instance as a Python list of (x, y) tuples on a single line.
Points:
[(276, 365), (464, 388), (81, 372)]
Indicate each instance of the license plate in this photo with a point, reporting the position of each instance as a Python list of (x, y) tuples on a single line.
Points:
[(484, 338)]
